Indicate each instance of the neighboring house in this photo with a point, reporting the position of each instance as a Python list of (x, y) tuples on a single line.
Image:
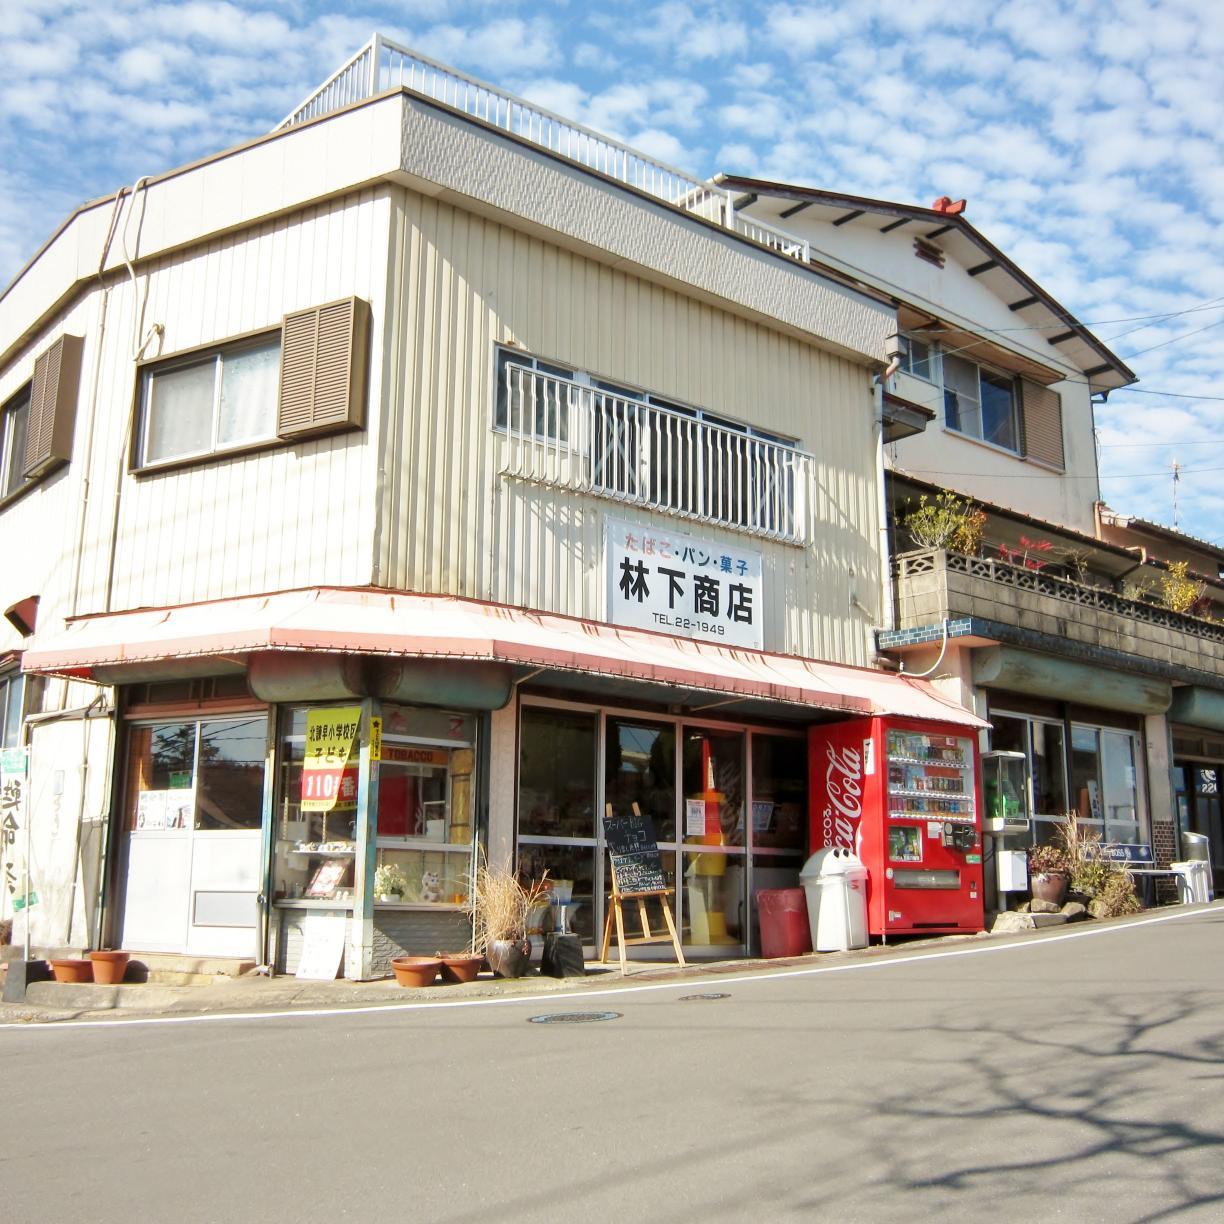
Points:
[(1116, 700), (432, 415)]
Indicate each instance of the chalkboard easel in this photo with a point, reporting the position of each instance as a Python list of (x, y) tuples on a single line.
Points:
[(637, 875)]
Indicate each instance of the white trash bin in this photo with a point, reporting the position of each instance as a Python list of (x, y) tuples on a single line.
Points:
[(835, 882), (1193, 882), (809, 877)]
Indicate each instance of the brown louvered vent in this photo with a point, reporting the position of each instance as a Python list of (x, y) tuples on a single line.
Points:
[(323, 369), (53, 405), (1043, 427)]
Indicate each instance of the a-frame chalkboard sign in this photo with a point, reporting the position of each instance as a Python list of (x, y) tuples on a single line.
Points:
[(637, 875)]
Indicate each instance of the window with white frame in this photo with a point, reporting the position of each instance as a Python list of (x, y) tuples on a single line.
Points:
[(14, 425), (640, 446), (209, 402)]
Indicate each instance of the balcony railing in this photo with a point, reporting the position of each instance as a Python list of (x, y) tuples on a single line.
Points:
[(382, 65), (1042, 582), (565, 434)]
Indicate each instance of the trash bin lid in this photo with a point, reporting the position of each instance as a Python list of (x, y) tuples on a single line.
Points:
[(830, 862)]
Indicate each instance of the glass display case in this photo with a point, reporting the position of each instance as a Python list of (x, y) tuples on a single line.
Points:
[(424, 824)]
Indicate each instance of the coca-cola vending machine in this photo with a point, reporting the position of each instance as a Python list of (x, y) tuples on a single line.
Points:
[(903, 795)]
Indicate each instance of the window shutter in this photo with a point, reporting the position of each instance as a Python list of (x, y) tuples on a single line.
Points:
[(1043, 428), (53, 404), (323, 369)]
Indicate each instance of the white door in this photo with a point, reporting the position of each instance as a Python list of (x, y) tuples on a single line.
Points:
[(224, 917), (195, 840)]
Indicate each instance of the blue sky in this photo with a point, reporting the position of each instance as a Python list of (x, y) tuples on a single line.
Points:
[(1084, 133)]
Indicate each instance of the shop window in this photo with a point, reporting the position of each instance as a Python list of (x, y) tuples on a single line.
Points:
[(640, 767), (556, 774), (1105, 781), (779, 792), (1043, 742), (715, 876), (203, 775), (306, 379)]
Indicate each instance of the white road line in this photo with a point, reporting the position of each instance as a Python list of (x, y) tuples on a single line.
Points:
[(689, 984)]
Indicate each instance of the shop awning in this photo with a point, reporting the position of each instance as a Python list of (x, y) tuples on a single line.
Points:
[(385, 623)]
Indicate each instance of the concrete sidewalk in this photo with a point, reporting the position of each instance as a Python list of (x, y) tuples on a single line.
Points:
[(48, 1002)]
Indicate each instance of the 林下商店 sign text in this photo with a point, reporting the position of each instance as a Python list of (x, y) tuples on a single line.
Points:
[(683, 584)]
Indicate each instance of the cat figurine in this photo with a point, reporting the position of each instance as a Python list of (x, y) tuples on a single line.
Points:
[(431, 886)]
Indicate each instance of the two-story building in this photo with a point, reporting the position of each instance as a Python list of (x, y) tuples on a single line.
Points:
[(518, 467), (1057, 621)]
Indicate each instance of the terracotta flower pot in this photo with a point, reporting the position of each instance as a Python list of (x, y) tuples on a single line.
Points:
[(459, 967), (415, 970), (1049, 886), (509, 958), (72, 969), (109, 967)]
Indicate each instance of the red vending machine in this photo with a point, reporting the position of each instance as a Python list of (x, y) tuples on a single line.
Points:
[(903, 795)]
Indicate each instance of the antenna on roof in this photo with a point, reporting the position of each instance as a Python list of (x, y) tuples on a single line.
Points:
[(1176, 479)]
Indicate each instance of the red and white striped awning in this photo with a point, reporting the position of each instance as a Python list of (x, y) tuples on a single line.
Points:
[(386, 623)]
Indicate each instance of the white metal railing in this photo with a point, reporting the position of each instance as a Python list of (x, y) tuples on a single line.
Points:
[(382, 64), (565, 434)]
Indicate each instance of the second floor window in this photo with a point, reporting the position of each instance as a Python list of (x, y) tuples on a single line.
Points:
[(209, 402), (977, 401), (13, 427), (631, 445)]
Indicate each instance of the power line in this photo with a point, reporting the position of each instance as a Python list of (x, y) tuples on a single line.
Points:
[(1190, 442), (1063, 476), (1173, 340)]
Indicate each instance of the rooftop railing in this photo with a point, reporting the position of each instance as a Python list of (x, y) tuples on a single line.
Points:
[(381, 65)]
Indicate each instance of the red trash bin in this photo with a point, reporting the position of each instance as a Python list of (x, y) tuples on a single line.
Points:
[(784, 922)]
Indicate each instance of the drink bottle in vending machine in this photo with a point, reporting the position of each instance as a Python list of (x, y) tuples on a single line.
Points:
[(903, 795)]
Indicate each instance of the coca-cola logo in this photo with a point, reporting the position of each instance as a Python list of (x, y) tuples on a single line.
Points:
[(844, 791)]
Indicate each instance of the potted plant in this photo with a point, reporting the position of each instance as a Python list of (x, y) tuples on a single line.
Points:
[(1049, 872), (109, 967), (459, 966), (390, 883), (499, 907)]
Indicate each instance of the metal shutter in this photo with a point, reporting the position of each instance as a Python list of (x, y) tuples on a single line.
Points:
[(324, 353), (53, 404), (1043, 429)]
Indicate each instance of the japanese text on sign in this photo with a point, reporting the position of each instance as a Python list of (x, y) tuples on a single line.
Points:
[(13, 770), (329, 781), (680, 584)]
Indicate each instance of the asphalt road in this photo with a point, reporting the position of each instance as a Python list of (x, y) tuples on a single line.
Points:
[(1073, 1079)]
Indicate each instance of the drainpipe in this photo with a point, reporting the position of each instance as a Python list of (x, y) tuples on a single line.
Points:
[(894, 352)]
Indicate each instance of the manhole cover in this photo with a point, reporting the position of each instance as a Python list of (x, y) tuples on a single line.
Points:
[(574, 1017), (702, 997)]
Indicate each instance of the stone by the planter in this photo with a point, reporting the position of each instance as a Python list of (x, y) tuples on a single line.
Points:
[(1038, 906), (1098, 909), (1073, 911), (1022, 909), (1013, 922)]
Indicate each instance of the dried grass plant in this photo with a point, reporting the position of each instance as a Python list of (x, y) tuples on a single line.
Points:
[(1106, 883), (500, 903)]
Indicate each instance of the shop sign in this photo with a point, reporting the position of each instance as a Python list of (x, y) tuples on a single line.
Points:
[(683, 584), (410, 754), (329, 781), (13, 767), (14, 762), (375, 738)]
